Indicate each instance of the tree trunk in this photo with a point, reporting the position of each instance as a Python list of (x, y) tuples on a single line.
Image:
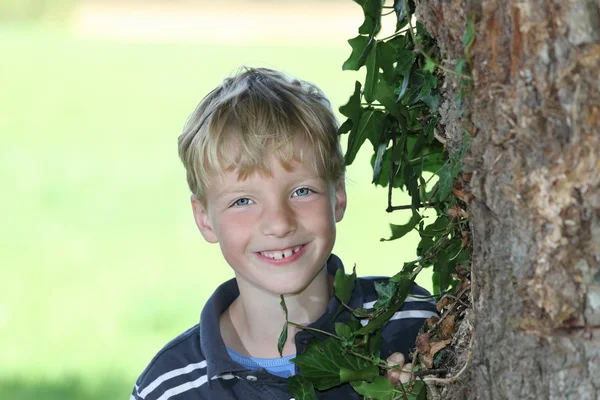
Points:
[(535, 216)]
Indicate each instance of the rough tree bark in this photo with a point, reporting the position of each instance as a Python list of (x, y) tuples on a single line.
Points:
[(535, 217)]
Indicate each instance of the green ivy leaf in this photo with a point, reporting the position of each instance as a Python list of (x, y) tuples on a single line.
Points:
[(429, 65), (441, 268), (469, 35), (372, 12), (400, 150), (420, 390), (301, 388), (380, 389), (344, 285), (407, 269), (439, 226), (359, 312), (371, 123), (375, 341), (385, 95), (412, 184), (422, 32), (386, 54), (378, 164), (431, 100), (400, 42), (372, 73), (376, 323), (386, 162), (326, 365), (416, 392), (353, 110), (284, 331), (429, 83), (361, 45), (345, 332), (367, 373), (460, 66), (385, 293), (406, 58), (445, 182), (345, 127), (399, 231), (432, 163)]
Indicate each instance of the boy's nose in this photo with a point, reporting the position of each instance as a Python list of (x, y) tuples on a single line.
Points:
[(278, 221)]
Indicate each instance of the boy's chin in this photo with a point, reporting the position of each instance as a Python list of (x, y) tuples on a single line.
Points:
[(296, 287)]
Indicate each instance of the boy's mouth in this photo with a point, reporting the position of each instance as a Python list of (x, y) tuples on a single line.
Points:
[(281, 254)]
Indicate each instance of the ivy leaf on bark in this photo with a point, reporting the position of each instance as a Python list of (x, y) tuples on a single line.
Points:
[(429, 65), (326, 365), (429, 83), (441, 273), (380, 389), (445, 182), (301, 388)]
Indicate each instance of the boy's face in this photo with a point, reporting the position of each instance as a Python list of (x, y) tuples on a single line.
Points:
[(275, 231)]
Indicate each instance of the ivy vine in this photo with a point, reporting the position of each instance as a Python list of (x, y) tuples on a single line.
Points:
[(395, 109)]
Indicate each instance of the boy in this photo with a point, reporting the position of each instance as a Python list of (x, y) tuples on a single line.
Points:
[(266, 172)]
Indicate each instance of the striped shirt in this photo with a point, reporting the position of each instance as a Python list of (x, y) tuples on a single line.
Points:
[(196, 364)]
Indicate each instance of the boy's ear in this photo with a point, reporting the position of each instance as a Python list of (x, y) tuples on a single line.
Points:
[(341, 200), (202, 221)]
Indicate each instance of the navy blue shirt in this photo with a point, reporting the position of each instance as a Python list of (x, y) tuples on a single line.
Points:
[(196, 364)]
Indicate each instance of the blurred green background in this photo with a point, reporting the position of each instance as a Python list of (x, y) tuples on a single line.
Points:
[(101, 263)]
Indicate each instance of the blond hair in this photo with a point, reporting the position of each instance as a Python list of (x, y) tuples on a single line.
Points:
[(252, 115)]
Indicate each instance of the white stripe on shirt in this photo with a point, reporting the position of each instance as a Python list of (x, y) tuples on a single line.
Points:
[(171, 374), (406, 314), (409, 299), (184, 387)]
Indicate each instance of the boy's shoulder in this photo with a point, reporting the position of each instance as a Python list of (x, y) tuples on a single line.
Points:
[(192, 358), (178, 364)]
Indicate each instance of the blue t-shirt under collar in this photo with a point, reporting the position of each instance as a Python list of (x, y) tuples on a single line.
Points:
[(282, 366)]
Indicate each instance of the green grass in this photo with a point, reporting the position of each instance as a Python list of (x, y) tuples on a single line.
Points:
[(101, 262)]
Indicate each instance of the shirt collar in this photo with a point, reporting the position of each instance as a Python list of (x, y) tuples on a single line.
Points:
[(212, 345)]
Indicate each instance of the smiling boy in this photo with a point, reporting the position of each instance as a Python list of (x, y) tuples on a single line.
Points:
[(266, 172)]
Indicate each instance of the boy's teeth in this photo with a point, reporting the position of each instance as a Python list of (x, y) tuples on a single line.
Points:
[(278, 255)]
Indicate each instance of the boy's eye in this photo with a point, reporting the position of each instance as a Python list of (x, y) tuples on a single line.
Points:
[(301, 192), (242, 202)]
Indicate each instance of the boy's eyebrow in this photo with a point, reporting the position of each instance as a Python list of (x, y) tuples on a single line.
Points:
[(249, 187), (226, 193)]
